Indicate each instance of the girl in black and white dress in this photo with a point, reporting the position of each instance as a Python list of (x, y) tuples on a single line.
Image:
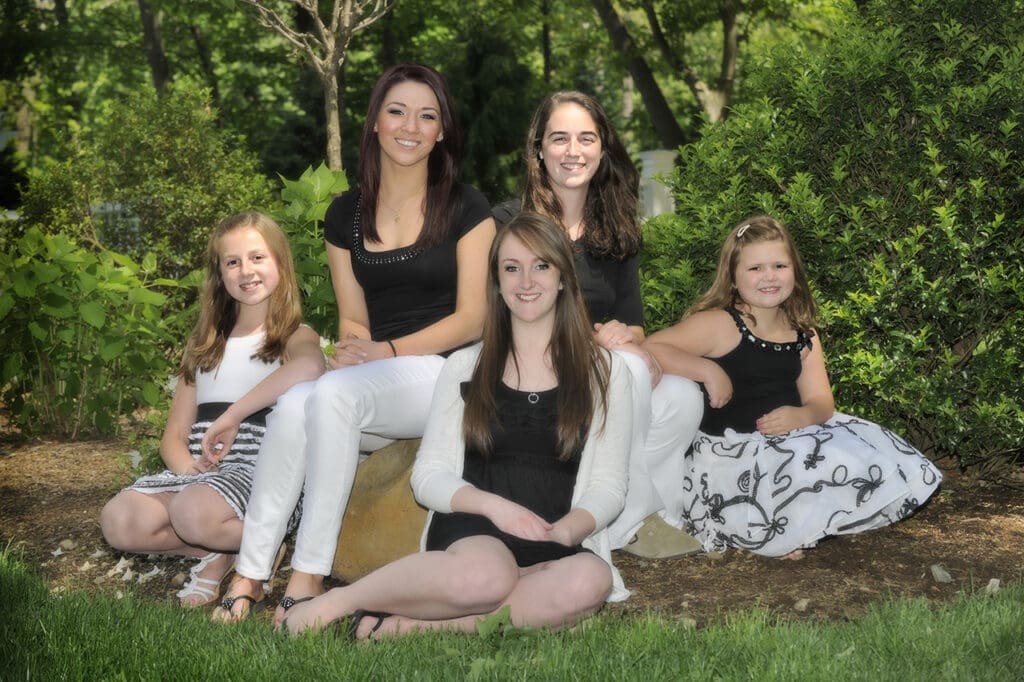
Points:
[(774, 468)]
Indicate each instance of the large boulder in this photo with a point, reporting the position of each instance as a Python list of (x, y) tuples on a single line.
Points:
[(383, 522)]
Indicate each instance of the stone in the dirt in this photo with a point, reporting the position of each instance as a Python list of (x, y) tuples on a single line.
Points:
[(179, 579), (68, 544), (992, 587), (940, 574), (801, 605)]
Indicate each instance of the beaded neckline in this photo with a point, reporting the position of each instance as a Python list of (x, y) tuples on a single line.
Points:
[(375, 257), (803, 338)]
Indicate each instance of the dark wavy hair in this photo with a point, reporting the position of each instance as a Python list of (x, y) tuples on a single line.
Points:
[(581, 366), (799, 308), (442, 165), (218, 312), (611, 214)]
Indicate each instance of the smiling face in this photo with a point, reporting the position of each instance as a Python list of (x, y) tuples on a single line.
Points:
[(764, 274), (408, 124), (571, 148), (528, 285), (247, 267)]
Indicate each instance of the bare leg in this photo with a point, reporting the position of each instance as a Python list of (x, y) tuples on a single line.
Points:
[(141, 523), (452, 590), (554, 594), (474, 575), (202, 518)]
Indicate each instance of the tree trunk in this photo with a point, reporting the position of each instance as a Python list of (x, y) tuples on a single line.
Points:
[(206, 62), (545, 40), (158, 65), (333, 120), (664, 121)]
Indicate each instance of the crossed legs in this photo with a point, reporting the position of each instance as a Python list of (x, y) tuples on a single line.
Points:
[(453, 589)]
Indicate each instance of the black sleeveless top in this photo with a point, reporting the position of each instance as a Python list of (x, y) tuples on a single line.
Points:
[(763, 375)]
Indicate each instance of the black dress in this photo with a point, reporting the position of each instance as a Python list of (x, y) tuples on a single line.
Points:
[(523, 467)]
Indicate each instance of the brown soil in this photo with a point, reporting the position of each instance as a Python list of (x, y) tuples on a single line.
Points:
[(51, 494)]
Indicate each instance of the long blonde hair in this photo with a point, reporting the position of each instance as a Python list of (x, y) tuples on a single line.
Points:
[(581, 367), (799, 308), (218, 312)]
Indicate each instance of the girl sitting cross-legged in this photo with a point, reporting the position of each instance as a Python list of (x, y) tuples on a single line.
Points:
[(523, 464)]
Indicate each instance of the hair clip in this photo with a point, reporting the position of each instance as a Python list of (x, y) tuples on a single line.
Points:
[(742, 229)]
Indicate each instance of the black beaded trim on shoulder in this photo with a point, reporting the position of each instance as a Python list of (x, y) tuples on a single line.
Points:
[(803, 338), (369, 257)]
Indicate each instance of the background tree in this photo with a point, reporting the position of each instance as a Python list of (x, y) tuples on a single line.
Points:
[(325, 44)]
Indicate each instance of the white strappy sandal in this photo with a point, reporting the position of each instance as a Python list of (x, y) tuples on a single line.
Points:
[(207, 590)]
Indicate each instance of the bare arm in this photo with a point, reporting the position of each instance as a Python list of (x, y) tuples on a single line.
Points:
[(303, 361), (684, 349), (818, 405), (508, 516), (353, 317), (174, 443)]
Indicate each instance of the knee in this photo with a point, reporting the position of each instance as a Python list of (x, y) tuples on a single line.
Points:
[(189, 519), (482, 584), (336, 395), (676, 399), (117, 522), (587, 589), (290, 407)]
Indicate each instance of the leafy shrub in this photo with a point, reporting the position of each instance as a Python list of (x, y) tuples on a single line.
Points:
[(895, 155), (154, 177), (83, 336), (305, 204)]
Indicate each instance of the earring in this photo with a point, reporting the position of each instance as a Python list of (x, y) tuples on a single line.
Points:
[(374, 127), (440, 137), (540, 155)]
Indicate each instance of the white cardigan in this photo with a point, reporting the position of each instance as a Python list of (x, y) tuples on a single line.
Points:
[(600, 482)]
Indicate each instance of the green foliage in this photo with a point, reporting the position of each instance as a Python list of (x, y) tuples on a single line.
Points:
[(82, 335), (153, 178), (895, 156), (306, 201)]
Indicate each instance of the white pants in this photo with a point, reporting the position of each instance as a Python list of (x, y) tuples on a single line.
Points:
[(665, 421), (314, 435)]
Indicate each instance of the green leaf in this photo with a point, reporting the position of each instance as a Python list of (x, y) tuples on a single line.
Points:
[(151, 394), (112, 350), (6, 303), (94, 314)]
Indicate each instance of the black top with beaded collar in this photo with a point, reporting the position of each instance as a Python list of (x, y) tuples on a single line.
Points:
[(406, 289), (763, 374)]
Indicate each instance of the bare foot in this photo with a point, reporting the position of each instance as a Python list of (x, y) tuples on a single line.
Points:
[(795, 555), (301, 587), (312, 615), (242, 596)]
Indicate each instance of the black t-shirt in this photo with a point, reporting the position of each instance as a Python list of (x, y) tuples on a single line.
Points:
[(611, 289), (406, 289)]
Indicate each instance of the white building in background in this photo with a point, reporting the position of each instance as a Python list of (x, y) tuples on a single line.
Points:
[(655, 197)]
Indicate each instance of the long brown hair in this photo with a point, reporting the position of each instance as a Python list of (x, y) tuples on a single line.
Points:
[(799, 308), (581, 367), (442, 164), (218, 312), (610, 214)]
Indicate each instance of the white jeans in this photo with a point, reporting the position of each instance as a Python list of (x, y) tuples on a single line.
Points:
[(665, 421), (314, 435)]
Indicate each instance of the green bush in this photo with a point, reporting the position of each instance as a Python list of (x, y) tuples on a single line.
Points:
[(153, 177), (305, 203), (83, 336), (896, 157)]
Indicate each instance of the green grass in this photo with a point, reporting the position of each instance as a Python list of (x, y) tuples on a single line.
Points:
[(74, 636)]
